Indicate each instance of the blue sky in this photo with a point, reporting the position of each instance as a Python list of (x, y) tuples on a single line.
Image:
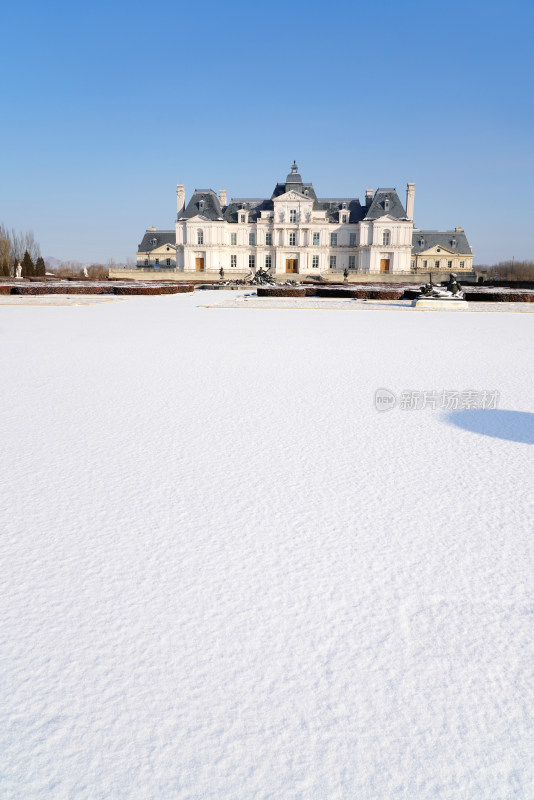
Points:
[(108, 106)]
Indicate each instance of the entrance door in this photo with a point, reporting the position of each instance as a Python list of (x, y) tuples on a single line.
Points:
[(384, 265), (291, 265), (199, 263)]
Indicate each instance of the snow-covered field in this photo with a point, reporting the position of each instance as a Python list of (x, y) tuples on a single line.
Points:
[(225, 575)]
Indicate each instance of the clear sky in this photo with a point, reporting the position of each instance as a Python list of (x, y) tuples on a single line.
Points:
[(108, 105)]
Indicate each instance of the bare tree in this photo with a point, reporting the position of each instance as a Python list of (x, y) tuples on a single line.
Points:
[(512, 271), (19, 243), (5, 260)]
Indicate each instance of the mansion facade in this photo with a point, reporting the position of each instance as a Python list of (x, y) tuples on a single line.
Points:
[(296, 233)]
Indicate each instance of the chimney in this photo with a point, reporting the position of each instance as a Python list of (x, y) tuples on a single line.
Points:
[(180, 199), (410, 199), (368, 197), (222, 198)]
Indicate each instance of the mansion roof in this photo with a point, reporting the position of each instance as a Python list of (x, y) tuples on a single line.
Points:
[(205, 202), (455, 241), (153, 239)]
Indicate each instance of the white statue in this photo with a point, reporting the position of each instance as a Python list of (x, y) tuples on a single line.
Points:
[(85, 272), (18, 273)]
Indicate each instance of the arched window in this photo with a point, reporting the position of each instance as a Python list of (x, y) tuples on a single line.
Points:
[(200, 237), (386, 237)]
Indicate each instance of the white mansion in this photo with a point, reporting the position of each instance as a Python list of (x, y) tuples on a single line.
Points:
[(296, 232)]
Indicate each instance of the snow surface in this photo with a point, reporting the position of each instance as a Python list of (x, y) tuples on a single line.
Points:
[(225, 575)]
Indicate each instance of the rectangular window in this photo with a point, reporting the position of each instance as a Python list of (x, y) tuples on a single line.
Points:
[(268, 262), (292, 216), (449, 264), (233, 238), (292, 239), (157, 261), (233, 261), (343, 218), (436, 264), (352, 240), (242, 218), (333, 240), (315, 262), (462, 264), (251, 262), (425, 264), (352, 262), (146, 262), (268, 238), (252, 239), (413, 264), (332, 262), (316, 238), (200, 237), (168, 262)]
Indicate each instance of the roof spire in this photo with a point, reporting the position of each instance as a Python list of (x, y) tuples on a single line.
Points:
[(294, 176)]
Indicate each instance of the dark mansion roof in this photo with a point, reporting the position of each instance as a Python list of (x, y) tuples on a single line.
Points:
[(456, 241), (153, 239), (386, 201), (205, 203)]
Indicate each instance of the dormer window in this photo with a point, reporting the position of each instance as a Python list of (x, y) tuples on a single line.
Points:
[(421, 242), (242, 218), (343, 218), (153, 242), (386, 204), (453, 242), (201, 205)]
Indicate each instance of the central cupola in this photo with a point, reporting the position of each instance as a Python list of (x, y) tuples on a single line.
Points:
[(294, 176)]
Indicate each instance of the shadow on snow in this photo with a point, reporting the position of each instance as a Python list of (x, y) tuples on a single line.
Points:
[(515, 426)]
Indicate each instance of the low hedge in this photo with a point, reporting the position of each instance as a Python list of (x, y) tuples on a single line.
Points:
[(336, 291), (181, 288), (65, 288), (384, 294), (36, 288), (94, 289), (281, 291), (500, 297)]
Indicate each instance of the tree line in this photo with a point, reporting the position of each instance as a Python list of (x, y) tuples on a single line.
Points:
[(511, 271), (20, 248)]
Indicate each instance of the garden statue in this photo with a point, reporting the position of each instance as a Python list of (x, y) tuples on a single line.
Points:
[(453, 290)]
